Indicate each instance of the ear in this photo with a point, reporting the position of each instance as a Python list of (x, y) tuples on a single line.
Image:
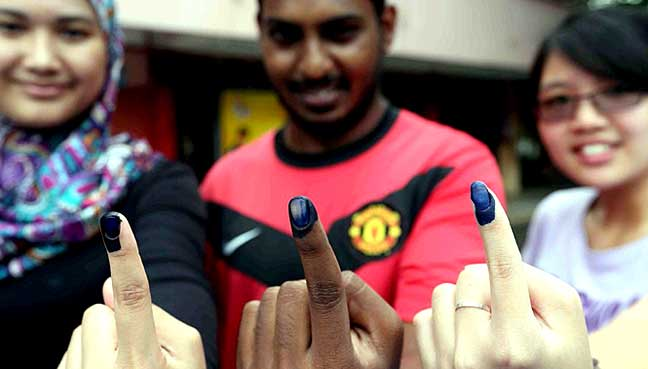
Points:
[(388, 26)]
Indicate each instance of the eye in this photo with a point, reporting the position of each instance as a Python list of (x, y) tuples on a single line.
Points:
[(74, 33), (12, 28), (284, 35), (556, 101), (340, 33)]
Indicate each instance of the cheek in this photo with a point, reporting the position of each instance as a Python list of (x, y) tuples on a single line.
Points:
[(91, 72), (553, 139), (277, 62)]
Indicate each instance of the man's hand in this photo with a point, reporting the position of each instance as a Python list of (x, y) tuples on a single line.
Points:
[(505, 314), (130, 332), (330, 320)]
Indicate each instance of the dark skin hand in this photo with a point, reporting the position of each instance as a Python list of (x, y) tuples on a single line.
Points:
[(330, 320)]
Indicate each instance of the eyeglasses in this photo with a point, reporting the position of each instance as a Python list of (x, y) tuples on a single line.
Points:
[(609, 101)]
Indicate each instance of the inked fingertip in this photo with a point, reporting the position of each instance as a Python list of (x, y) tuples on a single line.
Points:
[(110, 229), (302, 214), (484, 203)]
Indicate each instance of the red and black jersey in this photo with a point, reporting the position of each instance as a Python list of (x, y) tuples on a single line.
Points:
[(396, 207)]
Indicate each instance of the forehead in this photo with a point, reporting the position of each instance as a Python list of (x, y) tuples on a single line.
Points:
[(49, 8), (315, 11), (559, 70)]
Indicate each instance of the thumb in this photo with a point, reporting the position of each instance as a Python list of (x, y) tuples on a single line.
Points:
[(107, 292)]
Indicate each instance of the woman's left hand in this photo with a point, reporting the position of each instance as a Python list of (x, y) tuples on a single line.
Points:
[(134, 333)]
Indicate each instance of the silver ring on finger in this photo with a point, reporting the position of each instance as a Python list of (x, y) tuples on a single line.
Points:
[(472, 305)]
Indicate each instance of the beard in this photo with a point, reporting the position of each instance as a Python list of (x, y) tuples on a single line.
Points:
[(336, 128)]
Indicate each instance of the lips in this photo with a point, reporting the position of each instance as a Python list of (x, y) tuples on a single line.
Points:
[(43, 91), (319, 96), (321, 99)]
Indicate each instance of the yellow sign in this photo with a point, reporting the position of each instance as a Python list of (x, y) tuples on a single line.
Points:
[(246, 115), (375, 230)]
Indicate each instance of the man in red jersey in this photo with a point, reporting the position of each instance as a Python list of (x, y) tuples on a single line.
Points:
[(391, 187)]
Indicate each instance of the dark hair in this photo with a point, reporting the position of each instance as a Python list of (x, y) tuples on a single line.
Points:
[(379, 6), (610, 42)]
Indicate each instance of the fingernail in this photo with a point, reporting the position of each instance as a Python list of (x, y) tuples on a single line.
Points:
[(302, 215), (110, 227), (484, 203)]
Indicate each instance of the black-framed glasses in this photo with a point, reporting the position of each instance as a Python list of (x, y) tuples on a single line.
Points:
[(609, 101)]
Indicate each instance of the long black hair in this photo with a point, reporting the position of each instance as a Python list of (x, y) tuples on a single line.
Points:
[(610, 42)]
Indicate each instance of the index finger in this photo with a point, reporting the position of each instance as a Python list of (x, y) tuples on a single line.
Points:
[(509, 289), (136, 335), (327, 299)]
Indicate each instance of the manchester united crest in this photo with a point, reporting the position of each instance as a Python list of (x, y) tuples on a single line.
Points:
[(375, 230)]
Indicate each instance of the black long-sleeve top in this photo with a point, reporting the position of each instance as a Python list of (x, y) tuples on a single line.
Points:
[(39, 311)]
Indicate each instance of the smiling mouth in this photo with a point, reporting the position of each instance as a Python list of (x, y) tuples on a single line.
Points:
[(43, 91), (320, 99), (595, 154)]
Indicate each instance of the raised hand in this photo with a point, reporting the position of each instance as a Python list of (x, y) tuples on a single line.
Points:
[(505, 314), (132, 333), (330, 320)]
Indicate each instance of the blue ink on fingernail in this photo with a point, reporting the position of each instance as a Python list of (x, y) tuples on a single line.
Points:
[(302, 214), (110, 228), (484, 203)]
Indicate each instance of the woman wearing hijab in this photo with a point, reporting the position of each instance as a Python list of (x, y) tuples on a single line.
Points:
[(61, 169)]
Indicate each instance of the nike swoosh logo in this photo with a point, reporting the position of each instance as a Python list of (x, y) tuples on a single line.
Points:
[(235, 243)]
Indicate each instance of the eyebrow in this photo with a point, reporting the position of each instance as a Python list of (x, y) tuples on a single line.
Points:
[(73, 18), (552, 85), (12, 13), (274, 21)]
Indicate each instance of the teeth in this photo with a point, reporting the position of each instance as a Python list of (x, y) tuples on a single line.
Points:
[(595, 149)]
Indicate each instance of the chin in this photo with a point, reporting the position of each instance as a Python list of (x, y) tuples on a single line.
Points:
[(41, 115), (601, 180)]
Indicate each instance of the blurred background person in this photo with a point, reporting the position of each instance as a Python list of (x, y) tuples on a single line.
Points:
[(390, 184), (590, 83), (60, 169)]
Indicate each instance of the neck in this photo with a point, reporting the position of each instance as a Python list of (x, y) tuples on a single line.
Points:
[(626, 203), (301, 141), (620, 214)]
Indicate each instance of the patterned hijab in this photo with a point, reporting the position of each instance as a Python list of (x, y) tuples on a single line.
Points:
[(52, 195)]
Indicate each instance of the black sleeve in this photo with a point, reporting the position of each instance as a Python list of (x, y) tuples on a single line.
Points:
[(169, 224)]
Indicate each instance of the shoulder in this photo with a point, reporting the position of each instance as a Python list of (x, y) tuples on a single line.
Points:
[(247, 158), (564, 202), (442, 144), (161, 187), (556, 219)]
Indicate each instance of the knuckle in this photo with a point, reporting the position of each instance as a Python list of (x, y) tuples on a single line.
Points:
[(423, 317), (502, 269), (77, 332), (251, 307), (193, 336), (514, 358), (325, 295), (134, 295), (270, 294), (441, 292), (94, 312)]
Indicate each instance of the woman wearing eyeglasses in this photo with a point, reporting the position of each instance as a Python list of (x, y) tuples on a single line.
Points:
[(591, 78)]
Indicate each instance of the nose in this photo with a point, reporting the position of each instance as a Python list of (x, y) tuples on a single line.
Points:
[(41, 55), (587, 117), (315, 62)]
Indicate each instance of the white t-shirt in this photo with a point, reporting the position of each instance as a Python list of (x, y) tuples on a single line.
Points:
[(608, 281)]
